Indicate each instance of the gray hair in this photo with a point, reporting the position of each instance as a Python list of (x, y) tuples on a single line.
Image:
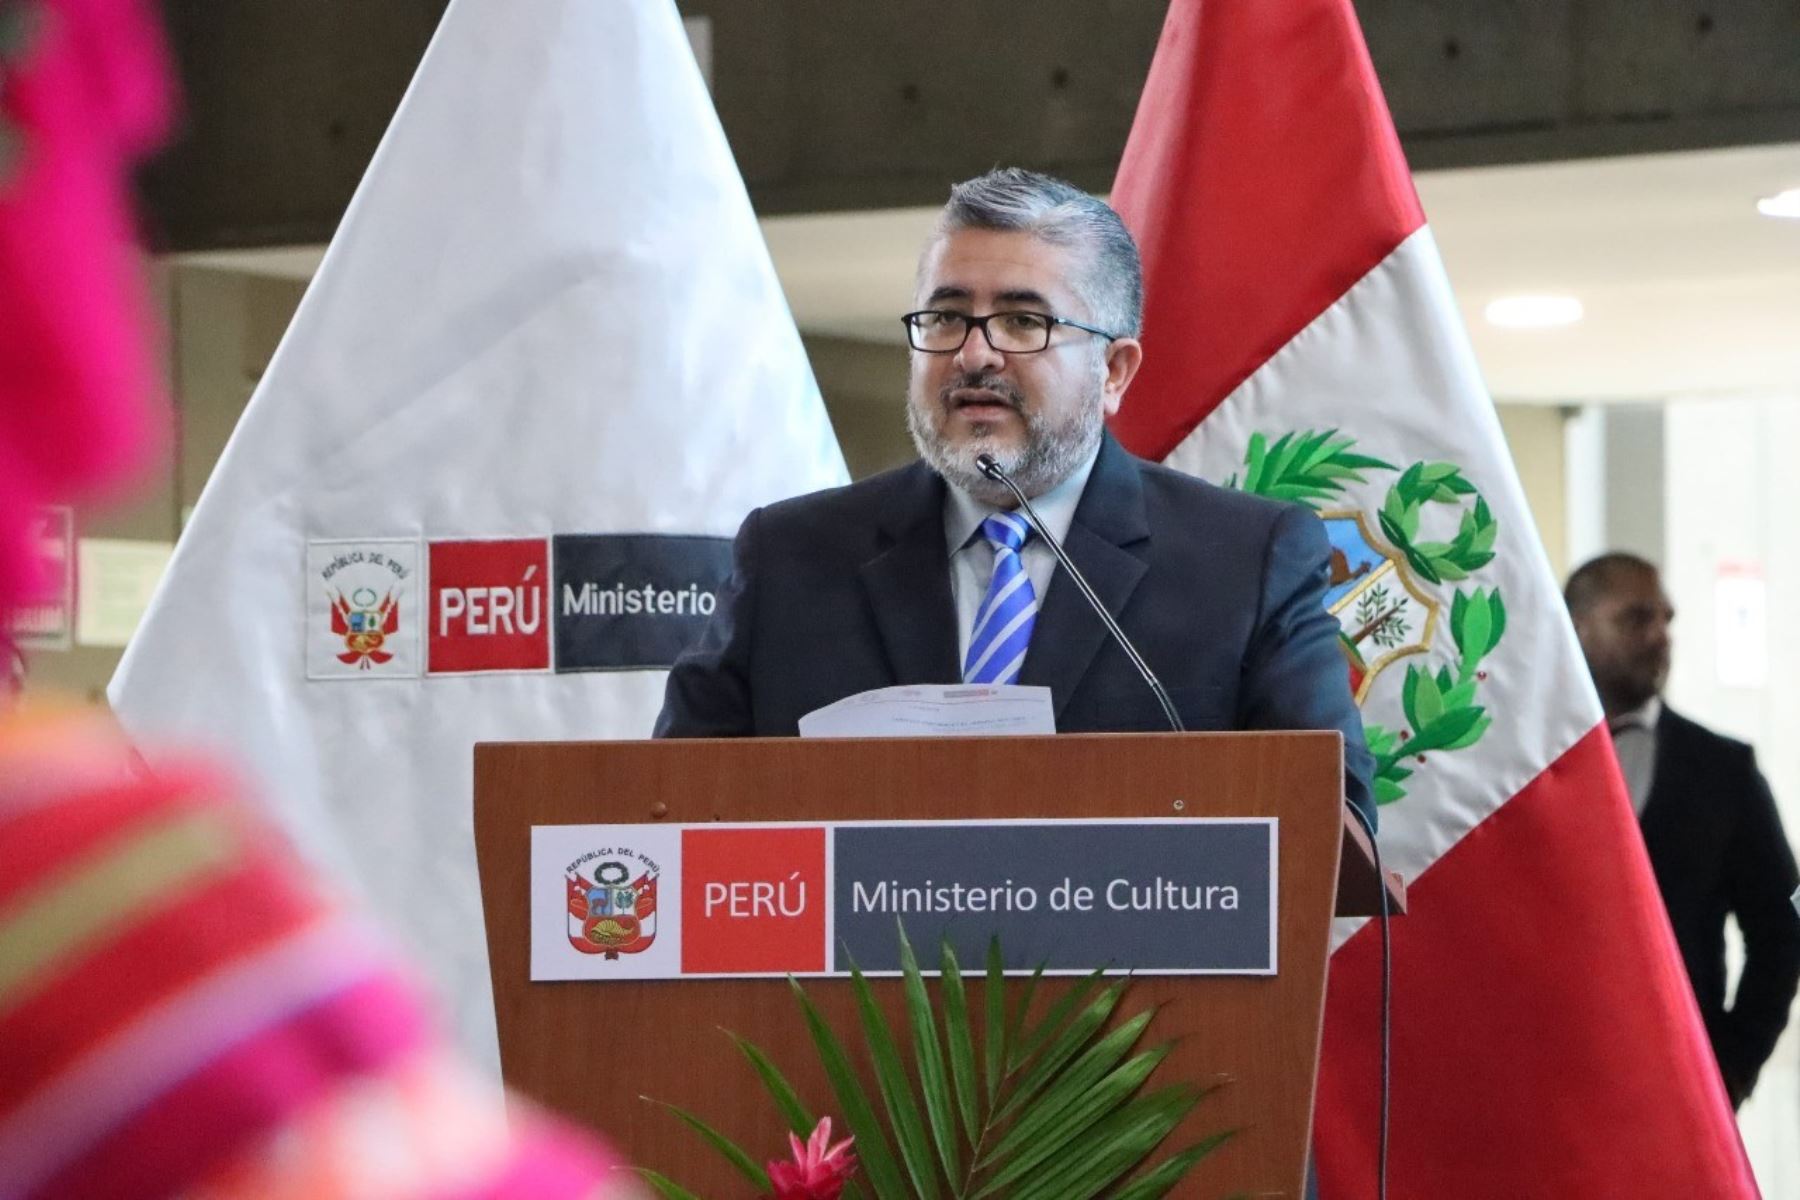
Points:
[(1014, 200)]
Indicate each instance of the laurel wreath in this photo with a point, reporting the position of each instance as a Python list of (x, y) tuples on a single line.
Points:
[(1441, 706), (1421, 484)]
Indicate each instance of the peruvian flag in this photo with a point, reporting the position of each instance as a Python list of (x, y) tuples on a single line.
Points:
[(1301, 342)]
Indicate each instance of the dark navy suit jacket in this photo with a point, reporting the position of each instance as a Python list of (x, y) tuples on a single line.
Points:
[(1717, 846), (849, 589)]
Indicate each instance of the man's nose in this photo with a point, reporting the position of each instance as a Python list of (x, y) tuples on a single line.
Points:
[(977, 356)]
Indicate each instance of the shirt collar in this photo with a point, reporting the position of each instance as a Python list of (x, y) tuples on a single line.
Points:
[(963, 513), (1639, 718)]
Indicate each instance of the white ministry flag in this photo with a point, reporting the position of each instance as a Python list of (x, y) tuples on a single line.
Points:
[(483, 491)]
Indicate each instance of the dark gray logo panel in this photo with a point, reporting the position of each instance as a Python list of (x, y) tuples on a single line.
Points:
[(626, 602), (1192, 895)]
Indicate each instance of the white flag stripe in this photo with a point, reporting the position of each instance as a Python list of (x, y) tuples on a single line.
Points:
[(1387, 362), (548, 310)]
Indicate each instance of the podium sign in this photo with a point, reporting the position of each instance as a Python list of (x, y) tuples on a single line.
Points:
[(1156, 896)]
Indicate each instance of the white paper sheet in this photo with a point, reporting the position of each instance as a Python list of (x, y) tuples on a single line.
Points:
[(935, 710)]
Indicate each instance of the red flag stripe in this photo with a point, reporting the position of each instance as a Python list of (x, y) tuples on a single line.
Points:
[(1219, 184), (1523, 935)]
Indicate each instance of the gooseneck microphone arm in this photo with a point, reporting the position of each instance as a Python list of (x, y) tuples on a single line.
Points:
[(992, 469)]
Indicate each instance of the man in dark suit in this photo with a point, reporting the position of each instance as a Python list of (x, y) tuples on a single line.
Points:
[(1030, 297), (1710, 824)]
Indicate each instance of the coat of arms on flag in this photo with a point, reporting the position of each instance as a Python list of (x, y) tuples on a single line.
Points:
[(1383, 581), (362, 609), (610, 911)]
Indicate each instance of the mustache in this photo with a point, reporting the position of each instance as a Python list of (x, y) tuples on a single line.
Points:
[(1008, 393)]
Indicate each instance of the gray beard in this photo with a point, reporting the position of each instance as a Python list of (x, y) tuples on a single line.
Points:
[(1050, 454)]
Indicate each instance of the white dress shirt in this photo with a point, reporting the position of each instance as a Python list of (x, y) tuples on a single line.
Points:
[(1634, 739), (972, 559)]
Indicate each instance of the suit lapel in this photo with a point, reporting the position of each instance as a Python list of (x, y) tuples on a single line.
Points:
[(908, 582), (1109, 518), (1667, 764)]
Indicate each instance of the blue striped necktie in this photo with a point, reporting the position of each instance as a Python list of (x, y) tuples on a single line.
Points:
[(1003, 622)]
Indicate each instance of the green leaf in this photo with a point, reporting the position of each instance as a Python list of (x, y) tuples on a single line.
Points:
[(960, 1039), (872, 1148), (1022, 1048), (746, 1166), (934, 1082), (1420, 700), (665, 1187), (1498, 608), (1111, 1148), (1460, 486), (1411, 484), (1472, 623), (1420, 563), (1387, 791), (1433, 549), (1281, 457), (1362, 462), (780, 1090), (1074, 1120), (1442, 679), (1255, 455), (1379, 738), (1447, 731), (1436, 472), (1482, 541), (1069, 1086), (1065, 1046), (994, 992), (1460, 696), (1171, 1170), (896, 1092), (1015, 1028), (1474, 732)]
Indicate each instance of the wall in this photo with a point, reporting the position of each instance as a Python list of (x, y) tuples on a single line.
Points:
[(220, 329), (1732, 493)]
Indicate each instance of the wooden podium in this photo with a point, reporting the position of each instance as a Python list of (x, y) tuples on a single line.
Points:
[(592, 1050)]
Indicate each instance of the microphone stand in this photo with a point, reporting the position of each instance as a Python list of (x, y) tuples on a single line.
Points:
[(992, 469)]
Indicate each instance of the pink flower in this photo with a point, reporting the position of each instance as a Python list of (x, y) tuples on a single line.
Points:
[(817, 1173)]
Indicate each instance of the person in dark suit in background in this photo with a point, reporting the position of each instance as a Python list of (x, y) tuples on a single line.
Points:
[(1710, 823), (1029, 303)]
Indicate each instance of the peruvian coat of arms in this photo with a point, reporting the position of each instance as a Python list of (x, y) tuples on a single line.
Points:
[(365, 624), (1387, 587), (611, 913)]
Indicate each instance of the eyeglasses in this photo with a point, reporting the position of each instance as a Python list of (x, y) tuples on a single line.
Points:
[(938, 331)]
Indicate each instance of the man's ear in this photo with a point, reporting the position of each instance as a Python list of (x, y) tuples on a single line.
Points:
[(1123, 358)]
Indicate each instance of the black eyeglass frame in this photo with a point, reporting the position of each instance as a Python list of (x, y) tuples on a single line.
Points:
[(972, 322)]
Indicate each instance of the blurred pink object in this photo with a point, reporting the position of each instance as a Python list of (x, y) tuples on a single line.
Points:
[(86, 95), (819, 1170)]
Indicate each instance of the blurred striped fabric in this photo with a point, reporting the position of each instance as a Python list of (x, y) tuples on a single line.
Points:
[(184, 1013)]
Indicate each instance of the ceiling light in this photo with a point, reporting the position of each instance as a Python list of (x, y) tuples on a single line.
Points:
[(1533, 312), (1781, 204)]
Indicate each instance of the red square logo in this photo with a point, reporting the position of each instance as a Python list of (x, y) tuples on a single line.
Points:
[(752, 900), (489, 608)]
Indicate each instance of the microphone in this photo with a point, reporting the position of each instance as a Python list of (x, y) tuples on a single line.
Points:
[(988, 466)]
